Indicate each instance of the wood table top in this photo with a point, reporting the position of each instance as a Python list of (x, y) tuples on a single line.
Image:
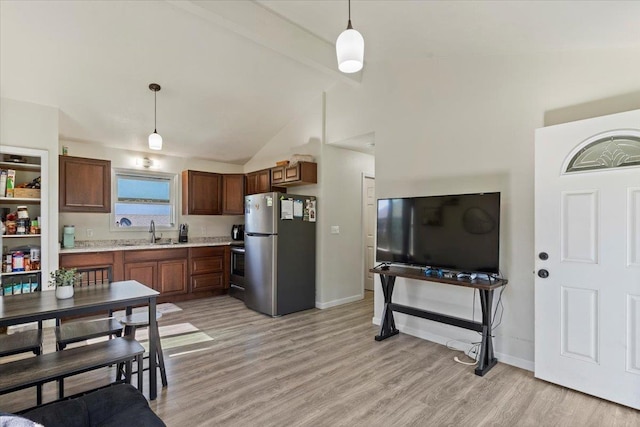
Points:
[(44, 305), (418, 274)]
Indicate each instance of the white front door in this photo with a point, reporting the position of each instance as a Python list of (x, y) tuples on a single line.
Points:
[(587, 248), (369, 229)]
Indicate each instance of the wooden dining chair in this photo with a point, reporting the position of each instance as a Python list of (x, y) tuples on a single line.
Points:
[(82, 330)]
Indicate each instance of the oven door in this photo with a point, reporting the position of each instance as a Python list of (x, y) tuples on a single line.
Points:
[(236, 279)]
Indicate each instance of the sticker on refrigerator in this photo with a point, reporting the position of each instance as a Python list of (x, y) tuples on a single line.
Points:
[(269, 201), (286, 209), (297, 208), (310, 211)]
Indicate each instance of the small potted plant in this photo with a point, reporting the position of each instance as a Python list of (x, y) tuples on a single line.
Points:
[(63, 279)]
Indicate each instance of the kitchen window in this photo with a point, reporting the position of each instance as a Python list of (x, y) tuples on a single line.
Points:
[(139, 197)]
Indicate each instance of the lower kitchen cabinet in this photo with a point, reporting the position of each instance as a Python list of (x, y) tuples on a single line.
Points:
[(209, 269), (177, 273), (172, 277), (165, 270), (111, 259)]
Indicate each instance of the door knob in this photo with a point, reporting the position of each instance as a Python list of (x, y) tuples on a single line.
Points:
[(543, 256), (542, 273)]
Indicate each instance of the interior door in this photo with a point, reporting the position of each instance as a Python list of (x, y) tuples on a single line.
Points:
[(587, 246), (369, 229)]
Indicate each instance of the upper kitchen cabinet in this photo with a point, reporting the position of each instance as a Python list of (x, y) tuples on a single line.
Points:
[(302, 173), (201, 193), (85, 185), (233, 194), (259, 182)]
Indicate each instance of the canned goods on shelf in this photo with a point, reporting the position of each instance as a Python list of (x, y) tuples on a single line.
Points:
[(23, 212)]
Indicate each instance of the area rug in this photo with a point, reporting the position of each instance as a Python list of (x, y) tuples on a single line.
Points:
[(163, 308), (171, 336)]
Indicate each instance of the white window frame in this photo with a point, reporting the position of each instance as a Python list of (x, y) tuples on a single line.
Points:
[(173, 197)]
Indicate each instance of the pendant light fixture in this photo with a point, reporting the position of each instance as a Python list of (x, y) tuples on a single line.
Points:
[(350, 49), (155, 140)]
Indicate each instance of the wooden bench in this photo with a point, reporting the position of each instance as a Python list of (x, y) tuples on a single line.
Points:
[(35, 371), (21, 342)]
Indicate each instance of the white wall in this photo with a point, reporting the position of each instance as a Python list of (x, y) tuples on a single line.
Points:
[(27, 125), (342, 255), (199, 225), (447, 126)]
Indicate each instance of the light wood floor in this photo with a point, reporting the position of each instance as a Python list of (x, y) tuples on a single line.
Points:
[(323, 368)]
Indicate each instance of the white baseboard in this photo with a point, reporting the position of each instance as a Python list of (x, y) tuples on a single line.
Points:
[(429, 336), (323, 305)]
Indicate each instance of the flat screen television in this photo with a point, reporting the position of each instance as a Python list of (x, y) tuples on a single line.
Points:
[(455, 232)]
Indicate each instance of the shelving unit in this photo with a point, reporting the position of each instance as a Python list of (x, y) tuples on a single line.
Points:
[(36, 164)]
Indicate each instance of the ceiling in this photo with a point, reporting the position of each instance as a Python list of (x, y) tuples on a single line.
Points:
[(233, 73)]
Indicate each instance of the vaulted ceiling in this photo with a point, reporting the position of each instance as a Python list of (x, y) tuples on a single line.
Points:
[(233, 73)]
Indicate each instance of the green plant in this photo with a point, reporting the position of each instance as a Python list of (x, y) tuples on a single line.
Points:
[(63, 277)]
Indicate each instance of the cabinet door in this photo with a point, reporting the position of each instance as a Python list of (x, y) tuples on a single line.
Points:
[(143, 272), (201, 193), (172, 277), (277, 175), (292, 173), (263, 181), (233, 194), (85, 185), (252, 183)]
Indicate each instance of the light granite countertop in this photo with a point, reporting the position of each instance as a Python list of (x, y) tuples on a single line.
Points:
[(82, 246)]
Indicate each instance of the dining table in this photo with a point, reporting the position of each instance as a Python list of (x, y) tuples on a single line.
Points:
[(40, 306)]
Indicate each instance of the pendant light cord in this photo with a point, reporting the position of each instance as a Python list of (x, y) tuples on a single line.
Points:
[(349, 27), (155, 111)]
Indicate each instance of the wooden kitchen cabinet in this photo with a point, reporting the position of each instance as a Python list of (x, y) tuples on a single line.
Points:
[(111, 259), (201, 193), (172, 277), (143, 272), (164, 270), (302, 173), (209, 268), (259, 182), (233, 194), (177, 273), (84, 185)]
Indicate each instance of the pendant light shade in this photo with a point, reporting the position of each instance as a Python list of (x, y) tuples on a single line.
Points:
[(350, 49), (155, 140)]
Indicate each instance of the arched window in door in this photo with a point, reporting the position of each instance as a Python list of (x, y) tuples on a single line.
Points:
[(606, 152)]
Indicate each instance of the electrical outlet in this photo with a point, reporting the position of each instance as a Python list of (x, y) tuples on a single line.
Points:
[(335, 229), (89, 232)]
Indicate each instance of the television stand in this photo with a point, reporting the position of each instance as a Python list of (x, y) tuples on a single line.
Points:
[(388, 328)]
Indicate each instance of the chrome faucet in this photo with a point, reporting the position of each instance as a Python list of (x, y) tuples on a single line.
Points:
[(152, 230)]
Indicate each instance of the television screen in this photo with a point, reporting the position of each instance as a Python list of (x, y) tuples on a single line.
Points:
[(456, 232)]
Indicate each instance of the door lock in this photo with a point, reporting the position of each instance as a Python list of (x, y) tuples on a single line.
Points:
[(543, 274), (543, 256)]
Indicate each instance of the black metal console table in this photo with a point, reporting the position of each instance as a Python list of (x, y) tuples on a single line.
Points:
[(388, 329)]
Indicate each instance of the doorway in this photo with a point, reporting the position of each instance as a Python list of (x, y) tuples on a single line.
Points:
[(368, 228)]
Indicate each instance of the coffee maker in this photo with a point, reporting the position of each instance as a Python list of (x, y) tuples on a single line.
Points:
[(183, 234), (237, 232)]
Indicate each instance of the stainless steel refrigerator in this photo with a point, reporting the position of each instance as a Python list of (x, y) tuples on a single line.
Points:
[(280, 253)]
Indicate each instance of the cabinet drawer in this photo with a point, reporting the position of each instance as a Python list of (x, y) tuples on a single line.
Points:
[(207, 251), (207, 265), (87, 259), (205, 282), (155, 254)]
